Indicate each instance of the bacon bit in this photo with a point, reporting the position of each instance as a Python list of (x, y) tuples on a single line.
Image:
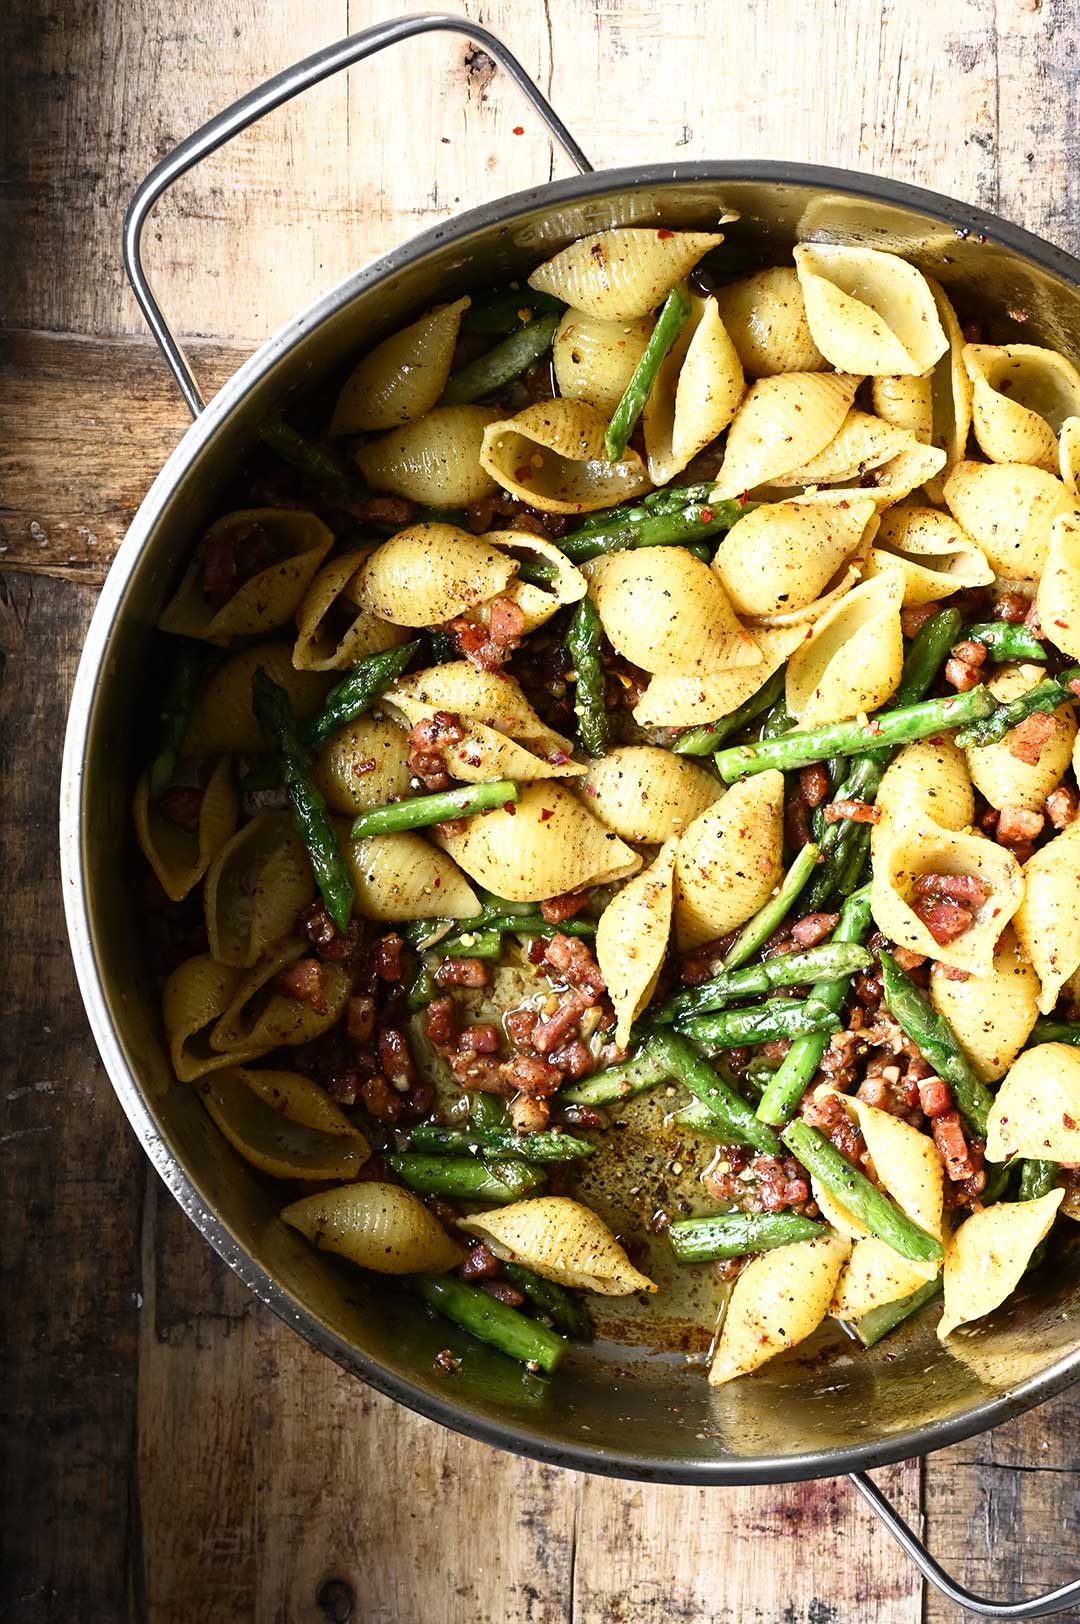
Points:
[(813, 784), (556, 909), (441, 1021), (316, 924), (914, 617), (856, 811), (232, 558), (935, 1096), (304, 981), (481, 1039), (479, 1264), (576, 963), (452, 826), (344, 1086), (574, 1060), (428, 740), (814, 928), (962, 675), (506, 623), (182, 806), (380, 1100), (395, 1058), (943, 918), (390, 510), (388, 958), (1012, 607), (550, 1033), (530, 1074), (950, 972), (907, 960), (1032, 622), (967, 888), (971, 653), (1018, 826), (1061, 806), (519, 1024), (360, 1018), (797, 823), (460, 972), (952, 1147), (1073, 685), (1030, 737), (529, 1114)]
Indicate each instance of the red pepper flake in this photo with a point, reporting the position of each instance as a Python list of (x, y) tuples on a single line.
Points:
[(1068, 1121), (546, 812), (706, 515), (744, 498), (519, 129), (508, 806), (664, 233)]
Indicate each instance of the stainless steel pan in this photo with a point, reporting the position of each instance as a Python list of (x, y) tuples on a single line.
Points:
[(822, 1411)]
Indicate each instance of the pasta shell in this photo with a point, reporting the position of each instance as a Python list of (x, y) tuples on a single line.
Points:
[(1005, 779), (262, 1015), (987, 1256), (1008, 510), (632, 939), (779, 1300), (255, 887), (1022, 395), (910, 846), (595, 359), (378, 1226), (552, 456), (537, 603), (435, 460), (906, 1163), (926, 779), (1047, 922), (283, 1124), (950, 392), (1036, 1111), (765, 315), (782, 422), (782, 556), (1069, 455), (729, 860), (665, 610), (869, 311), (992, 1016), (625, 272), (194, 998), (559, 1240), (222, 720), (931, 551), (906, 403), (854, 659), (890, 481), (320, 644), (297, 542), (180, 857), (860, 443), (365, 763), (1058, 598), (648, 794), (403, 377), (402, 876), (873, 1276), (674, 701), (697, 389), (489, 697), (429, 573)]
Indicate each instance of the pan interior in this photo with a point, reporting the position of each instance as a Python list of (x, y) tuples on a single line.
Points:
[(617, 1405)]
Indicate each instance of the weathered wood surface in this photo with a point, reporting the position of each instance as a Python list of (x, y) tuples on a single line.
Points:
[(171, 1452)]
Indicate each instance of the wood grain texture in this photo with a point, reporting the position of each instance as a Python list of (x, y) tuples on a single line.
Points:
[(172, 1452)]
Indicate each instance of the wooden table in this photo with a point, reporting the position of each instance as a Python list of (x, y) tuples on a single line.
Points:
[(173, 1453)]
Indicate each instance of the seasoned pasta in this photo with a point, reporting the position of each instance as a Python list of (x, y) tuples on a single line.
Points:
[(403, 376), (868, 311), (647, 794), (779, 1300), (930, 550), (378, 1226), (782, 422), (622, 274), (853, 661), (780, 558), (987, 1256), (992, 1015), (728, 860), (1008, 510), (632, 939), (594, 359), (1022, 396), (322, 644), (560, 1240), (1057, 601), (255, 887), (552, 456), (436, 459), (765, 316), (429, 573), (179, 855), (697, 389), (1000, 771), (283, 1124), (667, 612), (1047, 922)]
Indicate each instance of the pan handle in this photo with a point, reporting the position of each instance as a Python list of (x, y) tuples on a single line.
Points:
[(1052, 1601), (282, 88)]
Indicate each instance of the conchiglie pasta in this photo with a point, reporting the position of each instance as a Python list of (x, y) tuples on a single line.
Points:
[(929, 777), (537, 602), (402, 876), (377, 1226), (782, 422), (1036, 1111), (906, 1163), (950, 392), (906, 403), (890, 482), (321, 644), (765, 316), (1008, 510), (622, 273), (552, 456), (294, 544), (180, 857), (675, 701), (1022, 396), (193, 1000), (873, 1276), (666, 611), (987, 1256), (222, 720), (429, 573), (729, 860), (780, 557), (544, 846), (1058, 598), (490, 697), (992, 1016), (365, 763), (908, 847), (403, 377), (647, 794), (560, 1240), (861, 443), (1048, 920), (869, 311), (255, 887), (595, 359), (434, 460), (1006, 779), (697, 389), (283, 1124), (853, 661), (930, 550), (632, 939), (1069, 455), (779, 1300), (263, 1012)]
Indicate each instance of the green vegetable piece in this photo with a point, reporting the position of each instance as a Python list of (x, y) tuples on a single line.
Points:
[(1045, 696), (496, 313), (467, 1178), (631, 1077), (756, 932), (484, 1317), (351, 697), (313, 460), (871, 1327), (530, 1147), (764, 1023), (736, 1234), (937, 1043), (473, 944), (423, 992), (702, 741), (684, 1063), (1004, 641), (668, 518), (191, 663), (560, 1306), (808, 964), (1037, 1178), (422, 810), (861, 1198), (583, 647), (508, 360), (669, 324), (1049, 1030)]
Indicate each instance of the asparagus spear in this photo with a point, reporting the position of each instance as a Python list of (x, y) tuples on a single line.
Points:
[(189, 666), (702, 741), (510, 308), (530, 1147), (617, 1083), (937, 1043), (861, 1198), (809, 964), (790, 1081), (466, 1178), (1037, 1178), (275, 717), (888, 728), (684, 1063), (1004, 641), (1048, 1030), (485, 1317), (772, 914), (667, 518), (421, 810), (583, 647), (1045, 696), (871, 1327), (564, 1311), (423, 991), (312, 459), (765, 1023), (351, 697), (778, 722), (734, 1234), (508, 360), (669, 323), (473, 944)]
